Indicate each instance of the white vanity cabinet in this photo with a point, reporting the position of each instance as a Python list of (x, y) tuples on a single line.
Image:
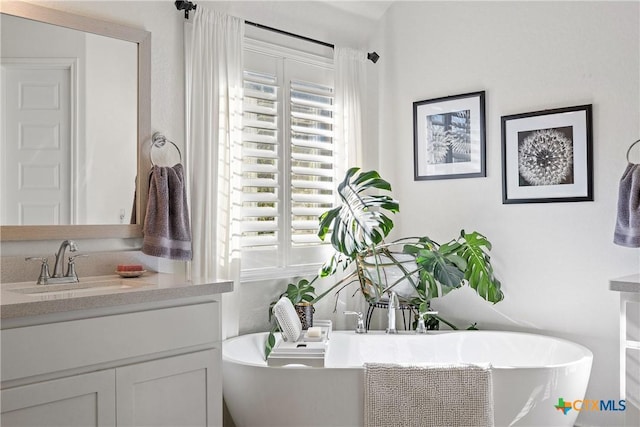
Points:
[(176, 391), (153, 364), (77, 401), (173, 391)]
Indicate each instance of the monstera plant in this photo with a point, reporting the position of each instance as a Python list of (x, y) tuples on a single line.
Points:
[(357, 228), (417, 268)]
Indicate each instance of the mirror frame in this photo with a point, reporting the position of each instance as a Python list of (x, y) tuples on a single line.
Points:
[(143, 39)]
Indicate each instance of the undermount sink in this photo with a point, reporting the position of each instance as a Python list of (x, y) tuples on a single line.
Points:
[(70, 289)]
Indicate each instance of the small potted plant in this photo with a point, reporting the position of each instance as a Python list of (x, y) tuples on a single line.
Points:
[(302, 296)]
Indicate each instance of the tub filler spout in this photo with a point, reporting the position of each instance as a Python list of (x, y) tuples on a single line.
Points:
[(360, 328), (394, 304)]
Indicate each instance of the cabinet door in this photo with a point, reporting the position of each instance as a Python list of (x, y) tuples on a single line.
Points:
[(182, 391), (82, 400)]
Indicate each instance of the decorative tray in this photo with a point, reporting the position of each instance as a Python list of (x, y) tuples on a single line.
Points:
[(306, 351)]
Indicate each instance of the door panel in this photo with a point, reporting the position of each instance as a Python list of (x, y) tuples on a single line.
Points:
[(37, 161)]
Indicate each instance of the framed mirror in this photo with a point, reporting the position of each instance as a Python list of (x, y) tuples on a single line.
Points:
[(75, 121)]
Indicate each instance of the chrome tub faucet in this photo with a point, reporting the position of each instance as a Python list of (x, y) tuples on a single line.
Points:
[(360, 328), (422, 327), (394, 304)]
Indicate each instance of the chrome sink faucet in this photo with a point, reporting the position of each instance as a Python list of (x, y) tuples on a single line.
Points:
[(70, 277), (394, 304), (59, 265)]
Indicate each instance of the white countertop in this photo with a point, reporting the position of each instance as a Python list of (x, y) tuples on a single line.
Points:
[(28, 299), (625, 284)]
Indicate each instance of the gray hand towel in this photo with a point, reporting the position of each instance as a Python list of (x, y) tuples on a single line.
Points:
[(627, 232), (167, 233)]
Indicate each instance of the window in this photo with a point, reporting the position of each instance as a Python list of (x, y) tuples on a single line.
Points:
[(289, 161)]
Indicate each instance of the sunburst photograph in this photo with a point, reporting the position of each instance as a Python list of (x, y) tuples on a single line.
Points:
[(545, 156)]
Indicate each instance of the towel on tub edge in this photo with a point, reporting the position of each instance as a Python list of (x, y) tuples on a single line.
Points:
[(427, 395)]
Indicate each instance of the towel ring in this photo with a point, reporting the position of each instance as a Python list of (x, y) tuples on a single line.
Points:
[(629, 150), (158, 140)]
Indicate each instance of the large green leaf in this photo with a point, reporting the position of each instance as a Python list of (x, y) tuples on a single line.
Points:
[(360, 221), (443, 270), (479, 272), (270, 342), (303, 291), (432, 290)]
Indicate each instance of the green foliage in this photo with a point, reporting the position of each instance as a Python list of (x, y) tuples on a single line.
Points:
[(359, 222), (301, 292), (437, 265), (479, 272), (271, 341), (451, 264), (357, 228)]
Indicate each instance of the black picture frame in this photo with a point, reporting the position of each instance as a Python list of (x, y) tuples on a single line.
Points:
[(547, 156), (449, 137)]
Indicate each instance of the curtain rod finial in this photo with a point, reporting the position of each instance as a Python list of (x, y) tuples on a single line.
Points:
[(186, 6), (373, 57)]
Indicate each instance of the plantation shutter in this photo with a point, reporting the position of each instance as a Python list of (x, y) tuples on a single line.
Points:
[(312, 159), (288, 163), (260, 162)]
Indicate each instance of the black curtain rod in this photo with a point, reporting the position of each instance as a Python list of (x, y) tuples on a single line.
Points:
[(286, 33), (187, 6)]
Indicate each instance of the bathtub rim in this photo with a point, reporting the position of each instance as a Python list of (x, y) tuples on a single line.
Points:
[(586, 356)]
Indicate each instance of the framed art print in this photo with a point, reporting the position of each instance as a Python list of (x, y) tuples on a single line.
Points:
[(449, 137), (547, 156)]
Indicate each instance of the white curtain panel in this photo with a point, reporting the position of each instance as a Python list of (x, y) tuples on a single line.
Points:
[(350, 82), (213, 67)]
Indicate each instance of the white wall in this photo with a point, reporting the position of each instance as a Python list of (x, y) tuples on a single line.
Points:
[(554, 259)]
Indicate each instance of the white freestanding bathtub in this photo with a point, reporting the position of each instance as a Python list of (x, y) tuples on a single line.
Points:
[(530, 373)]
